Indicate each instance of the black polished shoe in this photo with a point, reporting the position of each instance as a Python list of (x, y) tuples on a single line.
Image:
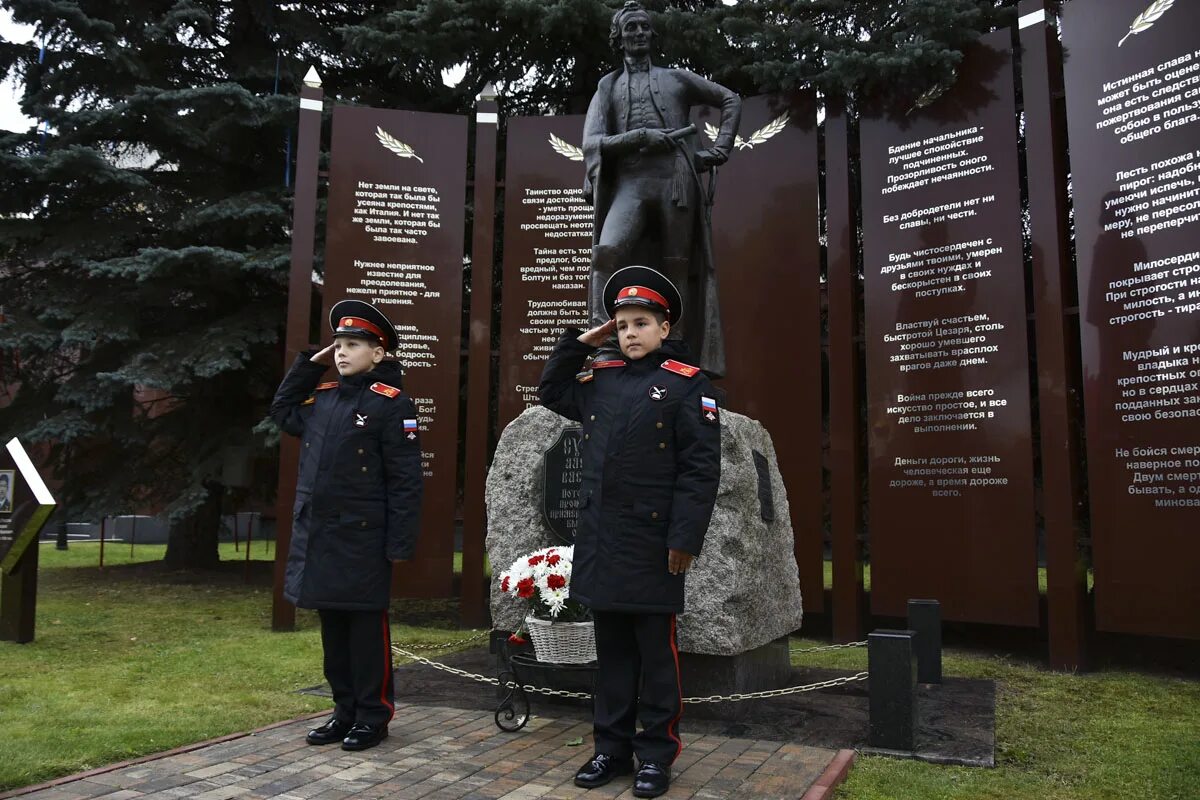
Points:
[(651, 780), (334, 730), (364, 735), (600, 769)]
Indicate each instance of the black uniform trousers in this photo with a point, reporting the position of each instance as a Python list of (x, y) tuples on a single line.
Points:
[(358, 665), (637, 677)]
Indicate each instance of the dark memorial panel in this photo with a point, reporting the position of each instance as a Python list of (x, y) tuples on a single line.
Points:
[(950, 452), (562, 473), (1133, 107), (395, 239), (766, 245), (547, 252)]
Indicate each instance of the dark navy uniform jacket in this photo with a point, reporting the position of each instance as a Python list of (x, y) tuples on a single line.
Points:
[(358, 497), (651, 468)]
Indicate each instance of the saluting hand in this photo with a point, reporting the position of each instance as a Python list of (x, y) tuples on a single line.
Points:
[(324, 358), (678, 561), (598, 335)]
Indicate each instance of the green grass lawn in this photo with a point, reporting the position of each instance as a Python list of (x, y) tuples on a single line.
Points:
[(131, 660), (87, 553), (1106, 734)]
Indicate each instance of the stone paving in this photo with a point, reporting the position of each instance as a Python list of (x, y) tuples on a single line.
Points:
[(443, 753)]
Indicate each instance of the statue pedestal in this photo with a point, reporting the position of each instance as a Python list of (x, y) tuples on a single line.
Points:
[(743, 592), (765, 667)]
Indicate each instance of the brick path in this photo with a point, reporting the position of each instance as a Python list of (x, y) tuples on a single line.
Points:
[(443, 754)]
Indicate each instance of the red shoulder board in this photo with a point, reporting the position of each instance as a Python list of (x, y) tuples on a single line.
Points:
[(327, 385), (385, 390), (679, 368), (606, 364)]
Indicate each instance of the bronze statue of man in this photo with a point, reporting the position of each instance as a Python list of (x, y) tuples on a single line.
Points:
[(644, 180)]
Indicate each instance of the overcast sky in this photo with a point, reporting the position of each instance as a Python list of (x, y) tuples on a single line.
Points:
[(11, 118)]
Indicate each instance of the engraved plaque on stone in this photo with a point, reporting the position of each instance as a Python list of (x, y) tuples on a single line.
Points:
[(562, 469)]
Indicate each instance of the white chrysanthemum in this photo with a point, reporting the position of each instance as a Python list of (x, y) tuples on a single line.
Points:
[(556, 599)]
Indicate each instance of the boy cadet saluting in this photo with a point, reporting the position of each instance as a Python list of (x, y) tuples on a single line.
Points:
[(651, 466), (358, 505)]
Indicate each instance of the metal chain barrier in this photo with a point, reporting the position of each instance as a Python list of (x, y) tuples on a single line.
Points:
[(713, 698), (462, 673), (808, 687), (846, 646), (447, 645)]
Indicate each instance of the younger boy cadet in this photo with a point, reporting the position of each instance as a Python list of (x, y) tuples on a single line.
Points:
[(651, 465), (358, 500)]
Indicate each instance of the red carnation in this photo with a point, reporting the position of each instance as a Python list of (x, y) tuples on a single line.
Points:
[(556, 581), (504, 584), (525, 588), (516, 638), (553, 559), (534, 561)]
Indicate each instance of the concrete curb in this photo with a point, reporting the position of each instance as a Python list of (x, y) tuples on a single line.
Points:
[(834, 774)]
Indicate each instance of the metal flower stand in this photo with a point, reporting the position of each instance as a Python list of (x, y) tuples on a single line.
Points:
[(518, 668)]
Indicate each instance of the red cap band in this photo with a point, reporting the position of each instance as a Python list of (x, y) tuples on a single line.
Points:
[(359, 322), (641, 292)]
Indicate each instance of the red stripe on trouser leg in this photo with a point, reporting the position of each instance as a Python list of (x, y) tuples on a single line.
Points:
[(387, 668), (673, 727)]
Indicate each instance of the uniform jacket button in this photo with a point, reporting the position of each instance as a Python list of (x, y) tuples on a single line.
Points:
[(662, 445), (592, 417), (306, 444), (658, 424), (653, 515), (364, 523), (360, 451), (364, 469), (587, 436)]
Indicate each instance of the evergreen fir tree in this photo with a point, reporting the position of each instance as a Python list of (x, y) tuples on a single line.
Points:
[(145, 248)]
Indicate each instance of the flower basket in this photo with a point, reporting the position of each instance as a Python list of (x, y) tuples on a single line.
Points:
[(562, 642), (561, 628)]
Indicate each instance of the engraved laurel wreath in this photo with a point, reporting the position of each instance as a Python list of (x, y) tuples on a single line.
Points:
[(566, 149), (938, 89), (1145, 20), (395, 145), (758, 137)]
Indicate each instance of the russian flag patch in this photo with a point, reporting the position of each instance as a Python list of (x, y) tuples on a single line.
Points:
[(410, 428), (708, 411)]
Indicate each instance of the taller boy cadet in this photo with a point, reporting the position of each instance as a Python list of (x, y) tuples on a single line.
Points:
[(358, 506), (651, 466)]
